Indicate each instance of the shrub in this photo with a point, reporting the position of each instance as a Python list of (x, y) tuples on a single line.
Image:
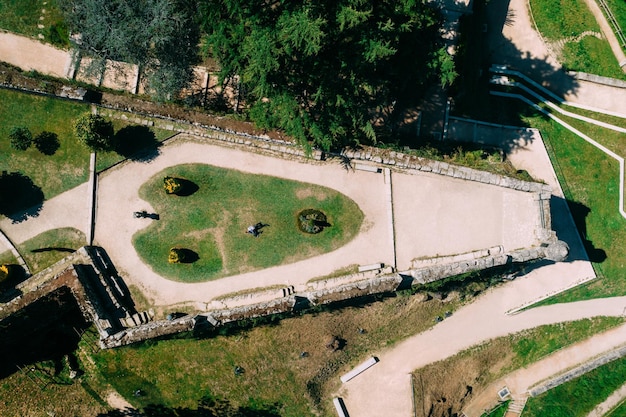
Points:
[(172, 185), (95, 131), (312, 221), (21, 138), (47, 143), (176, 256), (4, 272)]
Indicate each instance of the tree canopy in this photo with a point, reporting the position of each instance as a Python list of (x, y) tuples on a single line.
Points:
[(323, 70), (95, 131), (161, 36)]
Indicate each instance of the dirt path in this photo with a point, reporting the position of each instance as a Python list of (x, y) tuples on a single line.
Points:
[(30, 54)]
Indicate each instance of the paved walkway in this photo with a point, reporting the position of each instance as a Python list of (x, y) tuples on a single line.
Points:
[(520, 381), (426, 208)]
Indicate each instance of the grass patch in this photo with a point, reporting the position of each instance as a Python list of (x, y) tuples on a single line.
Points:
[(474, 369), (590, 181), (212, 222), (70, 163), (177, 373), (558, 20), (589, 390), (22, 16), (50, 247), (7, 257)]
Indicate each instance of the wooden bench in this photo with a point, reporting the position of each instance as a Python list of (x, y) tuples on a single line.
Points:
[(359, 369), (368, 168), (370, 267), (340, 407)]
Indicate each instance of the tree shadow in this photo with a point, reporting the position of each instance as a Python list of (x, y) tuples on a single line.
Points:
[(20, 198), (47, 143), (53, 248), (482, 44), (207, 407), (187, 187), (137, 143), (8, 290)]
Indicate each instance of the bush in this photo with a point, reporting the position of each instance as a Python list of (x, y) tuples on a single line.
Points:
[(311, 221), (47, 143), (21, 138), (4, 272), (95, 131), (176, 256), (172, 185)]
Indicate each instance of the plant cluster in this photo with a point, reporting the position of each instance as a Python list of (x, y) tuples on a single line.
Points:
[(311, 221), (21, 139), (95, 131), (172, 185), (176, 256)]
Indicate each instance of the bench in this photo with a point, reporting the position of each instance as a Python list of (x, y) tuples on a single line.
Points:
[(368, 168), (359, 369), (340, 407), (370, 267)]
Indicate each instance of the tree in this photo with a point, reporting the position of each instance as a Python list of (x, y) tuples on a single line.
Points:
[(324, 71), (161, 36), (21, 138), (95, 131)]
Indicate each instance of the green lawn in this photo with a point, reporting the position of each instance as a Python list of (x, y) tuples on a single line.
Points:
[(588, 390), (557, 20), (213, 220), (481, 365), (590, 180), (69, 166), (618, 8), (22, 16), (49, 247)]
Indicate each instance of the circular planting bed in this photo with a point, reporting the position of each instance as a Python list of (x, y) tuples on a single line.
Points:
[(212, 217)]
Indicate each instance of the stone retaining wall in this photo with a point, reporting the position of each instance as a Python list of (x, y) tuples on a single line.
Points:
[(578, 371)]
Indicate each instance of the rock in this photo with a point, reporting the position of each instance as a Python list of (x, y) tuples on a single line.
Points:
[(557, 251)]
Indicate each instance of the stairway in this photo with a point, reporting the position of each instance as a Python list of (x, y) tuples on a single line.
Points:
[(516, 406)]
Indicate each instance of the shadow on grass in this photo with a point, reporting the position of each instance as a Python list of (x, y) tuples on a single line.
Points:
[(579, 213), (20, 198), (207, 407), (188, 256), (137, 143), (50, 249), (187, 187)]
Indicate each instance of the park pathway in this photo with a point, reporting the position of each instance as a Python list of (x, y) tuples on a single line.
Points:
[(520, 381)]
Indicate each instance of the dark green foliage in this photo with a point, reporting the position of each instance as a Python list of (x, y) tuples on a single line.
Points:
[(58, 34), (95, 131), (311, 221), (21, 138), (160, 36), (47, 143), (323, 71)]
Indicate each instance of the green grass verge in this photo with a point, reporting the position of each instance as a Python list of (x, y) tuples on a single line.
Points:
[(176, 373), (49, 247), (590, 181), (558, 20), (23, 17), (481, 365), (498, 411), (69, 166), (588, 390), (213, 220)]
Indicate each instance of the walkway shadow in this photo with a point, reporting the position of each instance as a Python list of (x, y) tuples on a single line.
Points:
[(137, 143), (20, 198)]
